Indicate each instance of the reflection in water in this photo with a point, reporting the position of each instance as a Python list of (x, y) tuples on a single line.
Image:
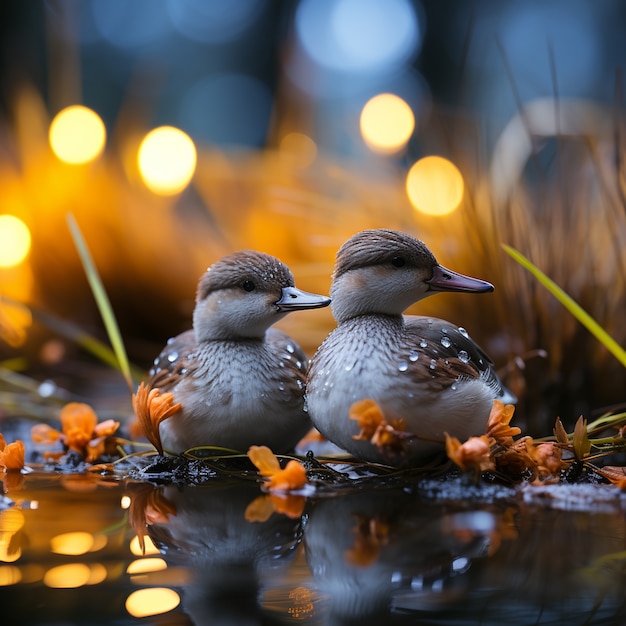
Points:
[(231, 558), (369, 556)]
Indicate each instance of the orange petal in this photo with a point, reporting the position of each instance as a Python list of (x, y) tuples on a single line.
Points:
[(12, 456), (76, 439), (290, 505), (292, 477), (260, 509), (77, 416), (42, 433), (264, 459), (106, 428), (151, 408), (369, 416)]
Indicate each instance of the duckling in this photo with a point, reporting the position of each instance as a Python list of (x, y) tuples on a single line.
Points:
[(239, 381), (423, 372)]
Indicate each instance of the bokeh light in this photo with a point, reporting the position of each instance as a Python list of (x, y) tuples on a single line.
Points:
[(154, 601), (434, 186), (358, 35), (15, 240), (299, 149), (67, 576), (167, 160), (9, 575), (142, 566), (387, 123), (148, 546), (77, 135), (73, 543)]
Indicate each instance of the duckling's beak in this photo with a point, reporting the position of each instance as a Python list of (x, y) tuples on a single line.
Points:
[(294, 299), (444, 279)]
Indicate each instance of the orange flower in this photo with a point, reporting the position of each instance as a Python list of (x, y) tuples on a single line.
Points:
[(78, 421), (151, 408), (148, 506), (263, 507), (474, 453), (498, 424), (81, 432), (386, 436), (369, 416), (11, 454), (290, 478), (547, 457)]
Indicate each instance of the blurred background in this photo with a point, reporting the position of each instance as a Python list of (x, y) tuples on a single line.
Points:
[(176, 131)]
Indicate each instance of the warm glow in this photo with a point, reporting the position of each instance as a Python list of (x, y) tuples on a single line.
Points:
[(9, 575), (155, 601), (67, 576), (167, 160), (143, 566), (97, 574), (298, 149), (135, 547), (11, 522), (387, 123), (77, 135), (125, 502), (14, 241), (72, 543), (434, 186)]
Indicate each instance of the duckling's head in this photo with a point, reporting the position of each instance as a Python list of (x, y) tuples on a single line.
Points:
[(243, 294), (383, 271)]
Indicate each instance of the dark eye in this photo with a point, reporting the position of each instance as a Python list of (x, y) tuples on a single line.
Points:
[(248, 285), (398, 261)]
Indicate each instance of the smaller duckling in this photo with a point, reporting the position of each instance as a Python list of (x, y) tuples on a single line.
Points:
[(240, 382)]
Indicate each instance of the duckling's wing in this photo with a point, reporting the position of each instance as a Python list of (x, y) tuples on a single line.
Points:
[(172, 362), (447, 353), (288, 349)]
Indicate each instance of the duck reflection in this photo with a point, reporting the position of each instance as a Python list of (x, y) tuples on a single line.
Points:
[(372, 552), (214, 532)]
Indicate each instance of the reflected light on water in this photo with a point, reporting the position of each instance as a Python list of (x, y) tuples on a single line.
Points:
[(15, 240), (434, 186), (150, 548), (387, 123), (11, 522), (167, 160), (9, 575), (67, 576), (145, 602), (97, 574), (72, 543), (143, 566), (77, 135)]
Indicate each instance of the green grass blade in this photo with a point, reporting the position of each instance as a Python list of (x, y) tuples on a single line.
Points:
[(572, 306), (76, 334), (102, 300)]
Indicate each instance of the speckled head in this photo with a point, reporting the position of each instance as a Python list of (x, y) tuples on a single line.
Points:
[(244, 293), (383, 271), (264, 271), (379, 247)]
